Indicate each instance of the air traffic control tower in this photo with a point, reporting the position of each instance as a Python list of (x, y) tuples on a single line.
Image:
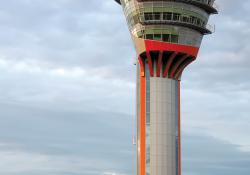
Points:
[(167, 35)]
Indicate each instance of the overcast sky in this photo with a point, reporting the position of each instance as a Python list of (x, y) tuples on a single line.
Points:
[(67, 85)]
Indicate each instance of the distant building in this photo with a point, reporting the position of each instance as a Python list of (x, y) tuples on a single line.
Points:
[(167, 35)]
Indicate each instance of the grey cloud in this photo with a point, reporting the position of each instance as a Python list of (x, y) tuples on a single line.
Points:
[(75, 136), (206, 155), (83, 37)]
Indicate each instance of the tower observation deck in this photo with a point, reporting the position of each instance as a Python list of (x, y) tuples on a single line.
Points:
[(167, 35)]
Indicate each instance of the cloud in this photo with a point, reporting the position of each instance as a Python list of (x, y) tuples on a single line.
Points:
[(59, 141), (109, 173), (18, 162), (211, 156), (215, 89)]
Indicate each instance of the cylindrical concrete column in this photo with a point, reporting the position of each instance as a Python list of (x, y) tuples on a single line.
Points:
[(158, 124), (164, 126)]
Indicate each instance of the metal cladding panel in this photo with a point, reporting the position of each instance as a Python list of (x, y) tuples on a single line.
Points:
[(163, 115)]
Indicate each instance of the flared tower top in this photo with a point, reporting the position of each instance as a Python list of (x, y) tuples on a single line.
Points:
[(170, 31)]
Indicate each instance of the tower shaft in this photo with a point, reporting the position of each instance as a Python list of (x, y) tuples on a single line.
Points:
[(158, 123), (167, 35)]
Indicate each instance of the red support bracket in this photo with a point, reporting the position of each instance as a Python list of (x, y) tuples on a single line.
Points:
[(177, 64), (150, 64), (159, 65), (170, 60), (181, 69)]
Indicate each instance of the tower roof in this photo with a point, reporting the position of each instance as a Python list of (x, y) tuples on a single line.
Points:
[(206, 6)]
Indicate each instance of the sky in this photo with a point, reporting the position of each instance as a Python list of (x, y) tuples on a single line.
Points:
[(67, 85)]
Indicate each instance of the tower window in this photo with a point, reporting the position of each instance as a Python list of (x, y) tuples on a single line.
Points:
[(176, 16), (157, 16), (167, 16), (174, 38), (150, 36), (166, 37), (148, 16), (192, 19), (157, 37), (185, 19)]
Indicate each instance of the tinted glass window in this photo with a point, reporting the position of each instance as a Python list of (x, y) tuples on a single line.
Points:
[(167, 16), (166, 37), (157, 16), (150, 36), (174, 38), (148, 16), (157, 36)]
